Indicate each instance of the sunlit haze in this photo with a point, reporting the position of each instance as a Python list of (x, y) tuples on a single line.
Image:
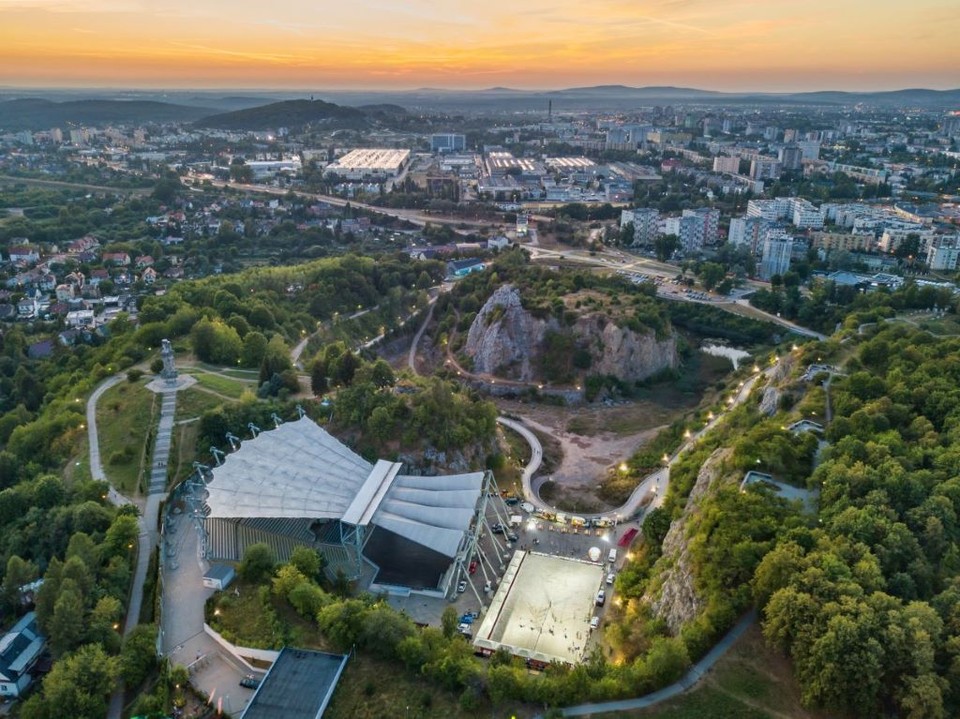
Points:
[(765, 45)]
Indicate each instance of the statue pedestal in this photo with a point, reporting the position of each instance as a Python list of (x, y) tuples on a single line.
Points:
[(161, 385)]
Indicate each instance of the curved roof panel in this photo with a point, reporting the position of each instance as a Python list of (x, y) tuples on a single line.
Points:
[(296, 470)]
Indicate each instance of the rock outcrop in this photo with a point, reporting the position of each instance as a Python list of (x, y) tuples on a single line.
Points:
[(504, 337), (623, 353), (507, 340), (676, 600)]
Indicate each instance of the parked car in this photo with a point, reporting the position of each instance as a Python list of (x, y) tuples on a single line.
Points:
[(610, 577), (601, 598), (595, 622), (250, 682)]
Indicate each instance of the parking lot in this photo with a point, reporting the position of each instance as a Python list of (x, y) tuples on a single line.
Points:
[(533, 533)]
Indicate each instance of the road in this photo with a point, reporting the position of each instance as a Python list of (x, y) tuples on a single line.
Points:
[(93, 439), (416, 217), (412, 354), (653, 268), (12, 179), (536, 459)]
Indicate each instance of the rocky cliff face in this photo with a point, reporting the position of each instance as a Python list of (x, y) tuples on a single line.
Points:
[(676, 600), (506, 339), (623, 353)]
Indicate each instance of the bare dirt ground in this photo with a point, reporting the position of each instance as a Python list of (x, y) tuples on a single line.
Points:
[(591, 451)]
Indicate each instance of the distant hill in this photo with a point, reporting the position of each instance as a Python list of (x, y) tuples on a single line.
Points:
[(910, 96), (661, 91), (36, 114), (290, 113), (384, 109)]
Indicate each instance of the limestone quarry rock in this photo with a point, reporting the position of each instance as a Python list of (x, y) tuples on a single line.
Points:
[(507, 340), (676, 601)]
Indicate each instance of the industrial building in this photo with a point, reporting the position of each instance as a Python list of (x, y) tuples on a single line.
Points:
[(366, 163)]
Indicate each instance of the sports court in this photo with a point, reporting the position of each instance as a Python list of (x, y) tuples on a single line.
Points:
[(542, 608)]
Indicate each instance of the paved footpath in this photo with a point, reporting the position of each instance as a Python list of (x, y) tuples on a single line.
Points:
[(686, 682), (156, 491)]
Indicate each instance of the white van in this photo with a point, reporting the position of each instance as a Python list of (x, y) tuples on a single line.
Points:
[(612, 556)]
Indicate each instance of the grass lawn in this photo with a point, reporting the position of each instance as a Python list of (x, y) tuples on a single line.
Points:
[(374, 689), (183, 452), (245, 621), (232, 388), (944, 327), (126, 421), (193, 402)]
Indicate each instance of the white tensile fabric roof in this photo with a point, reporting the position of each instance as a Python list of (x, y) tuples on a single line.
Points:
[(298, 471)]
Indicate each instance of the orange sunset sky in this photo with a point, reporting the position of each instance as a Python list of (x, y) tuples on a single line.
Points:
[(400, 44)]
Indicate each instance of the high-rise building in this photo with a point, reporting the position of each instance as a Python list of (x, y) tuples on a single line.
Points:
[(764, 168), (777, 249), (726, 164), (646, 224), (790, 157), (448, 142), (747, 231), (810, 149), (709, 220), (943, 252)]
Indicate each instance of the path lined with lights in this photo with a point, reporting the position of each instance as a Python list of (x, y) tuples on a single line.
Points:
[(655, 483)]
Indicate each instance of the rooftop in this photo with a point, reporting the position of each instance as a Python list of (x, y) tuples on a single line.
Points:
[(298, 686), (299, 471)]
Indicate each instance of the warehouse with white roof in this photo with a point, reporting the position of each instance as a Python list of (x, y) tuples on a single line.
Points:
[(297, 485)]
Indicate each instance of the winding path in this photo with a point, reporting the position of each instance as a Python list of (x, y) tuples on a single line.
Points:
[(657, 482)]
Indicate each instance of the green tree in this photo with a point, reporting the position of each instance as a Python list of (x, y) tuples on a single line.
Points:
[(258, 563), (276, 359), (78, 686), (138, 658), (19, 572), (254, 349), (711, 273), (449, 622), (309, 561), (665, 245), (67, 622)]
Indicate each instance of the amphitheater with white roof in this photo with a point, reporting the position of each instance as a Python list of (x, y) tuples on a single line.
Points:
[(296, 485)]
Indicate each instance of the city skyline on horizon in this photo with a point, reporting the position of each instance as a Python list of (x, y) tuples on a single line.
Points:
[(743, 46)]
